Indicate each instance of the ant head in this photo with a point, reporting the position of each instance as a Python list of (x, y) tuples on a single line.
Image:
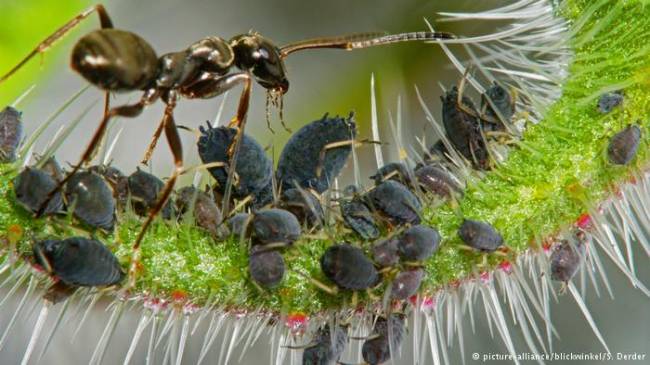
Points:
[(260, 56)]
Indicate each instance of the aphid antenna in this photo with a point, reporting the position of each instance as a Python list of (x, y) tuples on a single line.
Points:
[(319, 284)]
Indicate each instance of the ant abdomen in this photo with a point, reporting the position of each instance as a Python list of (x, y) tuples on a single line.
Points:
[(95, 56)]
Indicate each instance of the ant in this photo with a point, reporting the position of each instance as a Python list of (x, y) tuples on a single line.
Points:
[(116, 60)]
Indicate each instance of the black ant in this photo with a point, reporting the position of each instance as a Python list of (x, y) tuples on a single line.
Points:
[(117, 60)]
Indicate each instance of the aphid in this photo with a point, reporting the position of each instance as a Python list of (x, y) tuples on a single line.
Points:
[(504, 103), (117, 180), (394, 170), (314, 155), (32, 186), (79, 261), (376, 350), (406, 284), (565, 260), (253, 170), (11, 134), (117, 60), (304, 205), (145, 189), (205, 212), (418, 243), (275, 226), (395, 202), (623, 145), (438, 181), (92, 199), (266, 266), (326, 348), (463, 128), (384, 253), (359, 218), (238, 223), (480, 235), (348, 267), (608, 101)]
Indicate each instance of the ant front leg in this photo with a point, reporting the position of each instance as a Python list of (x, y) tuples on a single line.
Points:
[(104, 21), (174, 141), (128, 111), (212, 85)]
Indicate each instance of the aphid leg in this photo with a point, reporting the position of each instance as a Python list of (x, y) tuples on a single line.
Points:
[(128, 111), (329, 146), (319, 284), (104, 21), (174, 140)]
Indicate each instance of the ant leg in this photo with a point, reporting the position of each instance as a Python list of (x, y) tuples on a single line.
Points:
[(152, 144), (174, 141), (104, 21), (212, 85), (128, 111)]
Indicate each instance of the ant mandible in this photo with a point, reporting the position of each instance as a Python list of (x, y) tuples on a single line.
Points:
[(117, 60)]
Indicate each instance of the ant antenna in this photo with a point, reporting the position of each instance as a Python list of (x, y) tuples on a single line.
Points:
[(362, 40)]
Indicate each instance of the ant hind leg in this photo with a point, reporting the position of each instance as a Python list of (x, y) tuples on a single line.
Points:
[(174, 141), (104, 21)]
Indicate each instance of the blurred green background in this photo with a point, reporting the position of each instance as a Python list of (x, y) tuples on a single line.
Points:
[(321, 81)]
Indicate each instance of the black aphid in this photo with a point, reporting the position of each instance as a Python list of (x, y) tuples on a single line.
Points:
[(395, 202), (205, 212), (376, 350), (304, 205), (406, 284), (314, 155), (117, 180), (79, 261), (565, 260), (608, 101), (144, 188), (263, 197), (266, 266), (254, 169), (32, 187), (397, 171), (92, 199), (359, 218), (326, 348), (436, 180), (623, 145), (348, 267), (237, 223), (504, 103), (384, 253), (275, 226), (11, 134), (463, 129), (480, 235), (418, 243)]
